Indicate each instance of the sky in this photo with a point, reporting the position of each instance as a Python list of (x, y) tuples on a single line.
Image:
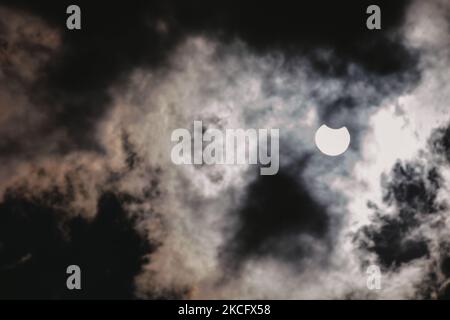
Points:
[(86, 118)]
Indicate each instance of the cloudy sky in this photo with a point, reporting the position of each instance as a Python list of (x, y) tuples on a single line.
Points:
[(86, 177)]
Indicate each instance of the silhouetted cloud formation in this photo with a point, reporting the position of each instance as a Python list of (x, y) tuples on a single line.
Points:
[(39, 242), (278, 218)]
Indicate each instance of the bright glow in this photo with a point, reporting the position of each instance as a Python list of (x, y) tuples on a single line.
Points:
[(332, 142)]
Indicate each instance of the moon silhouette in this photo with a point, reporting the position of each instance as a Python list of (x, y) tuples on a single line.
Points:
[(332, 142)]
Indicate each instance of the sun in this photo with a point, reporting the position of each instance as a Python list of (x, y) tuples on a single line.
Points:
[(332, 142)]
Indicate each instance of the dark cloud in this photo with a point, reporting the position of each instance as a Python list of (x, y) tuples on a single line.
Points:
[(303, 27), (445, 266), (276, 213), (444, 292), (38, 242), (391, 245), (412, 190), (73, 87), (440, 142), (331, 35), (436, 284), (116, 37)]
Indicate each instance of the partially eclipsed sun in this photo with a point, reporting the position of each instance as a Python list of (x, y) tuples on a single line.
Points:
[(332, 142)]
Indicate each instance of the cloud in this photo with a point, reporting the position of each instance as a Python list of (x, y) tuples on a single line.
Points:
[(89, 163), (38, 242)]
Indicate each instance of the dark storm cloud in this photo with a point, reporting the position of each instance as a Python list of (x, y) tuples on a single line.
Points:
[(412, 190), (119, 36), (38, 243), (277, 213), (332, 35), (303, 27)]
